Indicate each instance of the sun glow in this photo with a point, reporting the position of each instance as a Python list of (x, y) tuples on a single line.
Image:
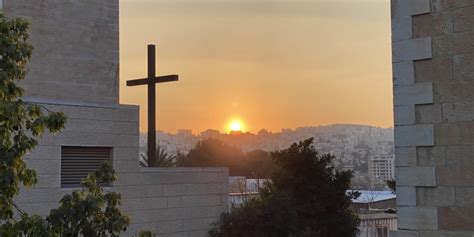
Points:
[(236, 125)]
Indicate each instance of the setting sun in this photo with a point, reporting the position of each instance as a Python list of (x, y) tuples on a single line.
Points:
[(236, 125)]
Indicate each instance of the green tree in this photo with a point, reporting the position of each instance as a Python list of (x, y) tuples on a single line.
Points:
[(215, 153), (20, 123), (90, 211), (163, 159), (85, 212), (257, 164), (392, 185), (306, 197)]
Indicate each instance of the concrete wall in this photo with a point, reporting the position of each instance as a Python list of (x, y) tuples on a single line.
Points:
[(74, 69), (433, 66)]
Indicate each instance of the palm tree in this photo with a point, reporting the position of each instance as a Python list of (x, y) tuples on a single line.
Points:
[(163, 159)]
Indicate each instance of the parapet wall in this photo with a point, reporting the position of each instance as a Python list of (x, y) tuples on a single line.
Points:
[(178, 201), (433, 68)]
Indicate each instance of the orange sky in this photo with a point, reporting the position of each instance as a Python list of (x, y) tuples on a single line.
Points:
[(273, 63)]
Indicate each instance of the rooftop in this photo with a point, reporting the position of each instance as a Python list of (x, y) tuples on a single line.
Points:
[(369, 196)]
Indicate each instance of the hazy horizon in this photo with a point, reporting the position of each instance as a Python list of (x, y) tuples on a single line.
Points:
[(273, 64), (255, 132)]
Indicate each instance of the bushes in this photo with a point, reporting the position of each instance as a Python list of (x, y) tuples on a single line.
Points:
[(306, 197)]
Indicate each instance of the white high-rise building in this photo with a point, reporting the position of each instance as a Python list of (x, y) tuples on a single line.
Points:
[(381, 168)]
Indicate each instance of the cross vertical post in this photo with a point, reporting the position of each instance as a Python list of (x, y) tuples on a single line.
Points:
[(151, 106), (151, 82)]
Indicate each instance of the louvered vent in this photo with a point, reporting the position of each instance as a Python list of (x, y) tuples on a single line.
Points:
[(78, 162)]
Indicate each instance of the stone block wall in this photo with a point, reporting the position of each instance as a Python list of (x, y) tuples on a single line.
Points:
[(76, 55), (175, 201), (433, 78), (168, 201), (120, 131)]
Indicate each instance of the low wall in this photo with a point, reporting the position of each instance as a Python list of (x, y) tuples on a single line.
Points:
[(174, 201)]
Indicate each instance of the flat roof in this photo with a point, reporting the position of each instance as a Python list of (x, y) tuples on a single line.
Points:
[(368, 196)]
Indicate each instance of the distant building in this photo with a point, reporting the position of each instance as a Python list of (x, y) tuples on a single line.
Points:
[(185, 132), (242, 189), (374, 209), (352, 145), (374, 201), (236, 133), (377, 225), (263, 132), (210, 133), (381, 168)]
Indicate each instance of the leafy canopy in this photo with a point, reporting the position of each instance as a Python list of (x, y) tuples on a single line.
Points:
[(306, 197), (215, 153), (20, 122)]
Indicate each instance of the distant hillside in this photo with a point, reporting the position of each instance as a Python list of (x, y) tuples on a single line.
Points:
[(269, 141)]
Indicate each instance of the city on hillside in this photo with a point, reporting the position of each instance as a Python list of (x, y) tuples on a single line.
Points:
[(366, 150)]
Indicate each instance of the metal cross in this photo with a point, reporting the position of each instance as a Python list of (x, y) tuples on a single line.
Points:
[(151, 82)]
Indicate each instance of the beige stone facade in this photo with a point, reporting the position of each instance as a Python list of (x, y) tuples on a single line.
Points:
[(433, 71), (74, 69)]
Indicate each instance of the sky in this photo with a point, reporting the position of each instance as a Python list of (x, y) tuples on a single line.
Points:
[(271, 64)]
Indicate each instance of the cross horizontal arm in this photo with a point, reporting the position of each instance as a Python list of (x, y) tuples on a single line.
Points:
[(154, 80)]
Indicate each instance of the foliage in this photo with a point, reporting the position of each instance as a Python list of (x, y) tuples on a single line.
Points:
[(90, 211), (145, 233), (215, 153), (306, 197), (392, 185), (163, 159), (20, 122), (86, 212), (180, 159), (211, 152)]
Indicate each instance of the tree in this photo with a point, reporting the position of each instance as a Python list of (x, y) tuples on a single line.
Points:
[(90, 212), (215, 153), (257, 164), (392, 185), (85, 212), (20, 123), (306, 197), (163, 159)]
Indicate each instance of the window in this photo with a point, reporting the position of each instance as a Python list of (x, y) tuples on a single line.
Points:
[(382, 231), (78, 162)]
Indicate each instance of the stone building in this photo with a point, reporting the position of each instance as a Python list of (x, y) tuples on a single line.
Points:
[(433, 68), (75, 69)]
